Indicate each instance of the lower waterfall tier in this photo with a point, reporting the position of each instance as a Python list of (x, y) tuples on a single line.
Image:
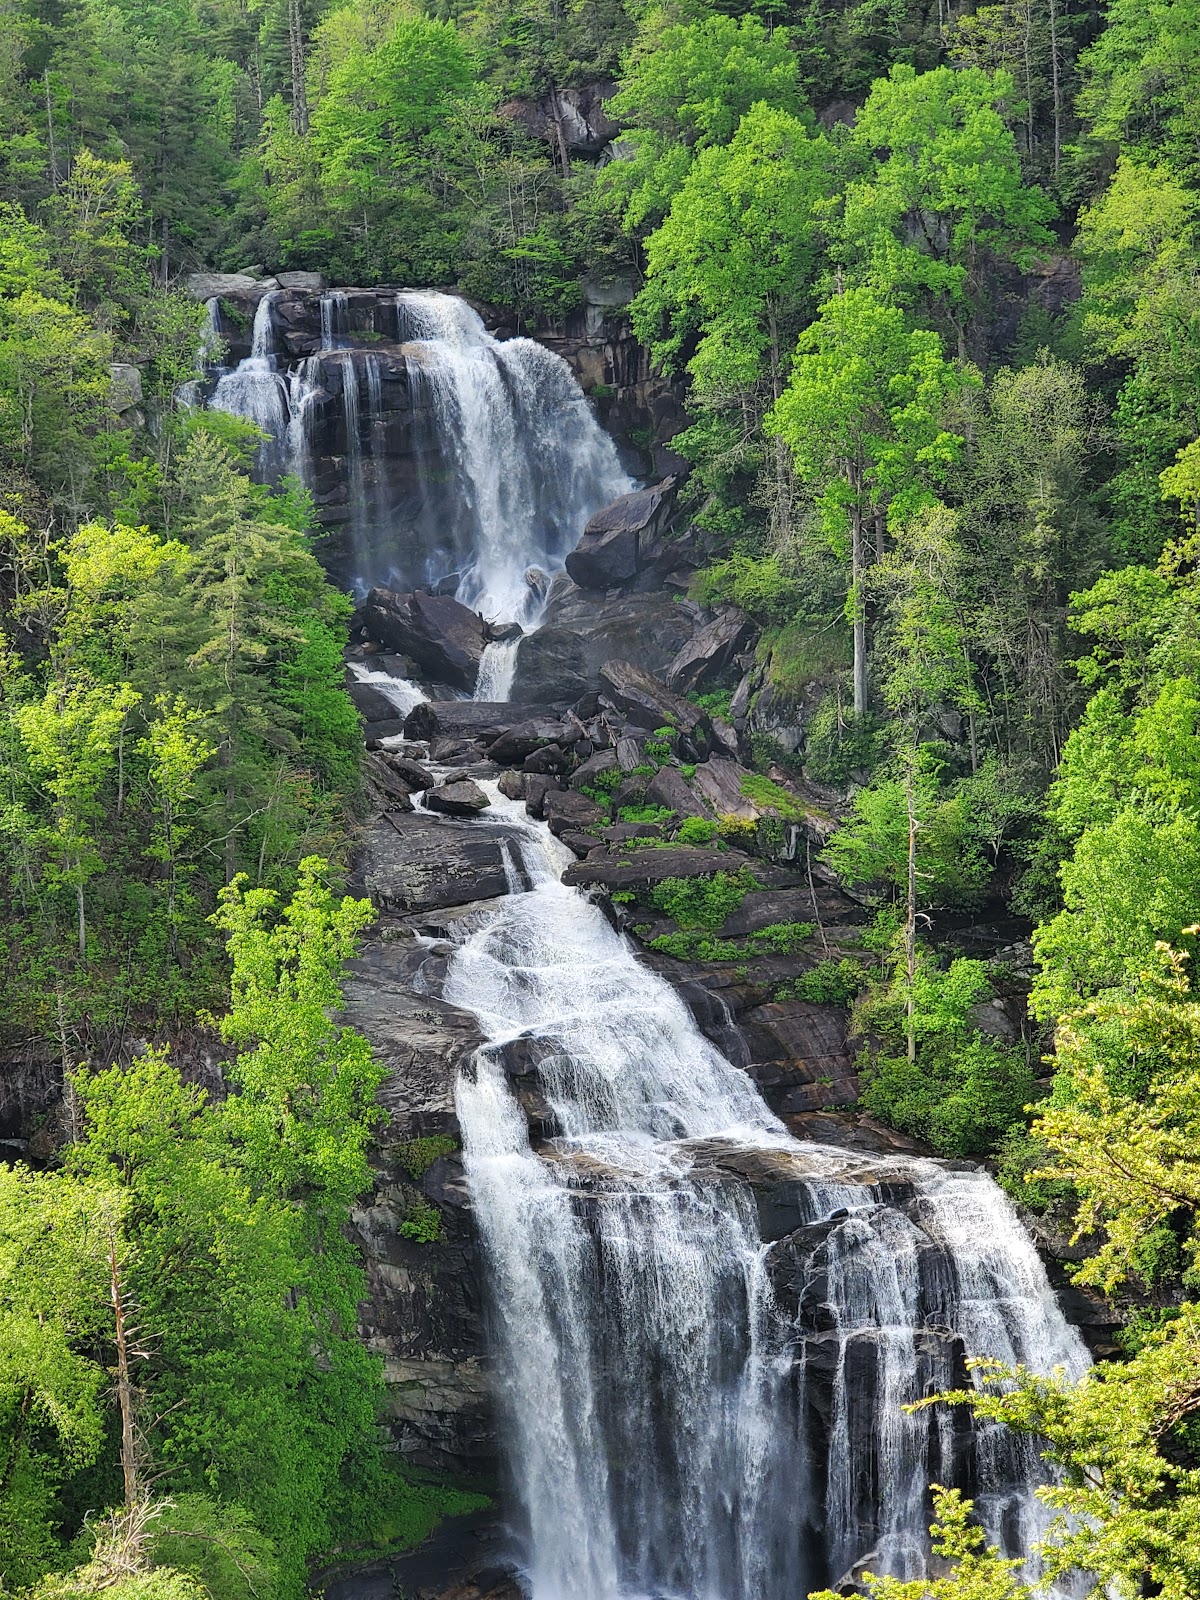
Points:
[(705, 1332)]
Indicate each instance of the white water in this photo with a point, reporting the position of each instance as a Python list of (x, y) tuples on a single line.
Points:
[(402, 692), (528, 463), (657, 1401), (255, 389), (510, 462)]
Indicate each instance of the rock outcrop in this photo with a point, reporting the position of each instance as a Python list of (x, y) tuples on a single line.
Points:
[(444, 638)]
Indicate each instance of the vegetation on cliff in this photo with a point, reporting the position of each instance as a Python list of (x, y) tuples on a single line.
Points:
[(928, 271)]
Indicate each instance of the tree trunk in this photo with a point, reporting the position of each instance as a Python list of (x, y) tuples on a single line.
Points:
[(910, 921), (296, 54), (859, 612), (1057, 87), (124, 1386), (80, 919)]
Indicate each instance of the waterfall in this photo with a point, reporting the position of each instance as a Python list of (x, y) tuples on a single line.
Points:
[(402, 692), (519, 461), (255, 389), (486, 464), (696, 1407)]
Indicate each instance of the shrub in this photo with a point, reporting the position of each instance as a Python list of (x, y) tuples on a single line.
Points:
[(703, 902), (416, 1156), (717, 702), (697, 830), (654, 814), (838, 743), (423, 1222), (830, 983), (962, 1097)]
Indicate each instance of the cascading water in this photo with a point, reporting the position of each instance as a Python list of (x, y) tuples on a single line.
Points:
[(255, 389), (698, 1407), (496, 461), (514, 450), (530, 463)]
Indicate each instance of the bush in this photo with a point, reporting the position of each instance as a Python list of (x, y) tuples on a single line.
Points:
[(830, 983), (838, 743), (697, 830), (416, 1156), (650, 814), (962, 1097), (422, 1222), (717, 702), (779, 939), (703, 902)]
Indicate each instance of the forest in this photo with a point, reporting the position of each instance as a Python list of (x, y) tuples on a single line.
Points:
[(927, 273)]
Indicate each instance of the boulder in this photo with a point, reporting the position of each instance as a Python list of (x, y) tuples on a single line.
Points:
[(517, 742), (583, 628), (415, 776), (308, 282), (373, 705), (513, 785), (537, 786), (568, 811), (458, 798), (549, 758), (574, 119), (588, 771), (610, 551), (709, 655), (209, 285), (446, 639), (468, 719), (126, 385), (668, 787), (642, 869), (650, 704), (387, 782), (720, 782), (418, 863)]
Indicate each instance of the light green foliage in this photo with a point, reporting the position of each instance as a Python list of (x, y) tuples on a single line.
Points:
[(705, 901), (951, 167), (777, 939), (871, 846), (974, 1570), (864, 411), (1128, 1502), (1138, 79), (1137, 244), (422, 1223), (55, 1328), (829, 983), (265, 1397), (306, 1106), (648, 814), (735, 254), (217, 1545), (1128, 798), (686, 87), (416, 1156), (697, 830), (768, 795), (964, 1089)]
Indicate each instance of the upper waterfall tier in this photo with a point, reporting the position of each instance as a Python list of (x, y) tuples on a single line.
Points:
[(434, 451), (705, 1332)]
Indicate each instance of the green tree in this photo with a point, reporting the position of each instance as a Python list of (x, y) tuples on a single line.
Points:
[(926, 222), (687, 86), (730, 269), (865, 416)]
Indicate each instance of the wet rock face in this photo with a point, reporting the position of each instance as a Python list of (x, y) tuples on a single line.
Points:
[(397, 468)]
